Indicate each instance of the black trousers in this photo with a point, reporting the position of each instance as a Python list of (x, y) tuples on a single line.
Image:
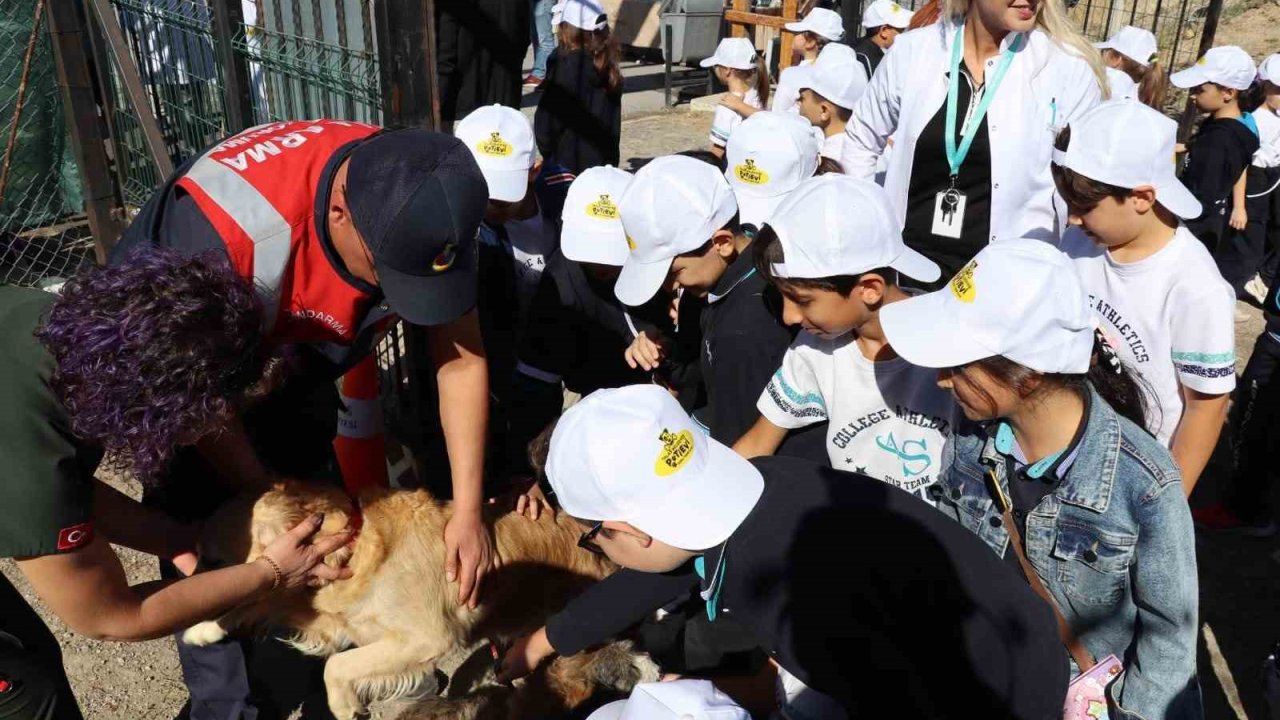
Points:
[(1240, 254), (33, 685), (1255, 424), (257, 678)]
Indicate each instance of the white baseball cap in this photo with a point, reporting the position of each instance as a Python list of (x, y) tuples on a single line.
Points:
[(736, 53), (840, 225), (1020, 299), (584, 14), (836, 75), (1269, 70), (1128, 144), (632, 454), (557, 11), (501, 139), (885, 12), (1134, 43), (768, 155), (821, 22), (676, 700), (1228, 66), (590, 223), (674, 205)]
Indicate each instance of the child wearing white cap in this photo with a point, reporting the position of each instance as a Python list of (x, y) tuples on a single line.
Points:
[(834, 250), (767, 544), (1133, 67), (675, 700), (1246, 260), (883, 21), (1222, 148), (1062, 481), (739, 67), (1156, 292), (829, 89), (767, 157), (817, 30)]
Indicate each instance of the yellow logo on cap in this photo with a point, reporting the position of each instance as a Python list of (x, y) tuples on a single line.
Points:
[(962, 284), (748, 173), (677, 449), (603, 209), (445, 259), (1204, 60), (895, 8), (495, 146), (631, 244)]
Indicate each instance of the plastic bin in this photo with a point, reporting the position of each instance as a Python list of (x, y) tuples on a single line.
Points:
[(695, 29)]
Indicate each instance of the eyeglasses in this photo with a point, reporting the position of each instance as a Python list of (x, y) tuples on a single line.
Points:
[(587, 541)]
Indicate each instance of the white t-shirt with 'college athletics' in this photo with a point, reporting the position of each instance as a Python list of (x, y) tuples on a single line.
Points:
[(888, 419), (1171, 316)]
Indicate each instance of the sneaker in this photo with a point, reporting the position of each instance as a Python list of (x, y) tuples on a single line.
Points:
[(532, 81), (1256, 289), (1218, 517)]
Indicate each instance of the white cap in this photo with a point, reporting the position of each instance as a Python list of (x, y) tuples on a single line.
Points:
[(590, 223), (1269, 70), (836, 75), (674, 205), (841, 225), (1134, 43), (501, 139), (557, 11), (885, 12), (584, 14), (821, 22), (633, 455), (736, 53), (1020, 299), (1128, 144), (676, 700), (1228, 66), (768, 155)]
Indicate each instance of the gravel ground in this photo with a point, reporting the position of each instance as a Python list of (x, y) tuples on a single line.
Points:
[(1239, 578)]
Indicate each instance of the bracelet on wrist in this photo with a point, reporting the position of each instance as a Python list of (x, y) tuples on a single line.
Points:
[(275, 569)]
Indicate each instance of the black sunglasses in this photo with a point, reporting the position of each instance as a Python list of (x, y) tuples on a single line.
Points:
[(587, 541)]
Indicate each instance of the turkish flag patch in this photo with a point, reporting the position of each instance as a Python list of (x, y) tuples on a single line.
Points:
[(70, 538)]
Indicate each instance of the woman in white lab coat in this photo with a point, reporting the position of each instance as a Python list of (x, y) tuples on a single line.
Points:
[(1021, 72)]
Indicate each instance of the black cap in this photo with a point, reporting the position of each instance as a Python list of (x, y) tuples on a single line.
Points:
[(417, 198)]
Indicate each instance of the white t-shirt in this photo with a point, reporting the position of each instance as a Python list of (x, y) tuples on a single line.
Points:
[(838, 147), (726, 120), (1122, 86), (887, 419), (1268, 154), (1171, 317), (786, 97)]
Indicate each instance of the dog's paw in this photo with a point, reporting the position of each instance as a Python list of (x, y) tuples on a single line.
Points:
[(206, 633)]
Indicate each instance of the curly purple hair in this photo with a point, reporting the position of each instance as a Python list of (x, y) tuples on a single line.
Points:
[(154, 351)]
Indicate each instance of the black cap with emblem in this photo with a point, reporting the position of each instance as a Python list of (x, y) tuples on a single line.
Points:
[(417, 198)]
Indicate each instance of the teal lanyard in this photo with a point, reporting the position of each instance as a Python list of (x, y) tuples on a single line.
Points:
[(956, 156), (712, 594)]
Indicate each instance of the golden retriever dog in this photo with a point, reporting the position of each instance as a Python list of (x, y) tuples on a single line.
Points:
[(385, 628)]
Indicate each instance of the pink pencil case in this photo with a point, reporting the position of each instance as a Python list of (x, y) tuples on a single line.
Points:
[(1087, 694)]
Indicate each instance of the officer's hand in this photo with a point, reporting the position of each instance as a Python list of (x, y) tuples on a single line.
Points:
[(532, 503), (524, 656), (643, 353), (468, 554), (300, 556)]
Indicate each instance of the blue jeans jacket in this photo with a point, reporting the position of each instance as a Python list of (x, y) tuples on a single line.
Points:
[(1113, 544)]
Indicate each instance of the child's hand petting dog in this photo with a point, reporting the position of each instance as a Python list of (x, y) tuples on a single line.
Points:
[(533, 503)]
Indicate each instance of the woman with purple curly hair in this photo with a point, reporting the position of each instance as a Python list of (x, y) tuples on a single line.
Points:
[(130, 362)]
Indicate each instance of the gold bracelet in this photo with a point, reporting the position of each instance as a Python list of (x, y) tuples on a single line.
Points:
[(275, 568)]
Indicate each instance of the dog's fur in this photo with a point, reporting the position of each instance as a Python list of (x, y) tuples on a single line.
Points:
[(387, 626)]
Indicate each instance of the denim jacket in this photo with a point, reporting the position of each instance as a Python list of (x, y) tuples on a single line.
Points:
[(1115, 547)]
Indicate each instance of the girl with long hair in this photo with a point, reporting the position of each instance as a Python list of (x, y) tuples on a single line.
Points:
[(578, 123), (1133, 67), (740, 68)]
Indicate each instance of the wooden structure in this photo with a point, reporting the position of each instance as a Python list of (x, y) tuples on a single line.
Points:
[(741, 17)]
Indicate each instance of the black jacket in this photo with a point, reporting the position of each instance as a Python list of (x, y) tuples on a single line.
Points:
[(865, 594), (868, 54), (479, 54), (578, 123), (1216, 156)]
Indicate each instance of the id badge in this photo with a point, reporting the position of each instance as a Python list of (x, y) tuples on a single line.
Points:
[(948, 213)]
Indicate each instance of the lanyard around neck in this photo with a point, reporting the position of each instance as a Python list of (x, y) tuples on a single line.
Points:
[(956, 156)]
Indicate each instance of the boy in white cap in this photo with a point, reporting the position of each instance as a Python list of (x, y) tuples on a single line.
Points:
[(818, 29), (675, 700), (883, 21), (1158, 296), (829, 89), (740, 68), (682, 220), (764, 541), (1221, 150), (834, 250), (767, 157)]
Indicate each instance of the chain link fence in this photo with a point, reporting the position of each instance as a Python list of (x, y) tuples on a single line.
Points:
[(44, 236)]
